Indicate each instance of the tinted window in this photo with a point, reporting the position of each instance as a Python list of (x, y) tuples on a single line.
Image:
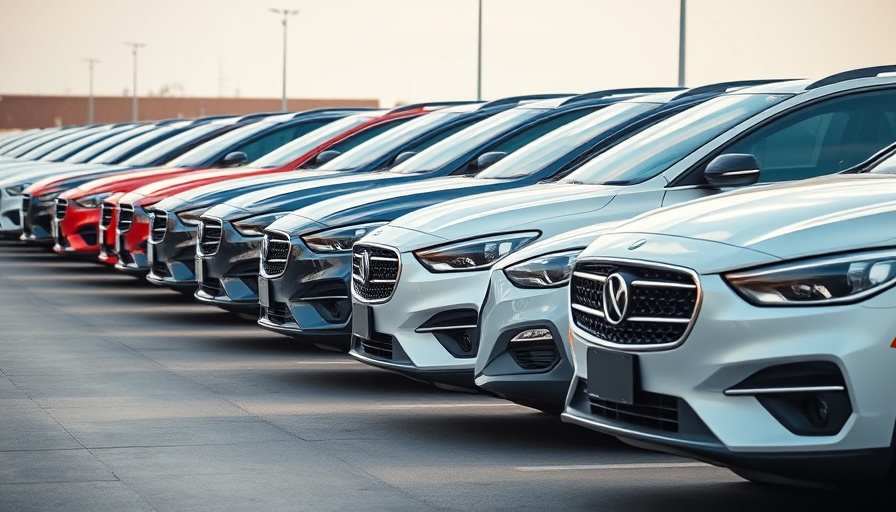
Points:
[(655, 149), (276, 138), (95, 149), (828, 136), (74, 146), (52, 145), (298, 147), (120, 151), (207, 152), (151, 155)]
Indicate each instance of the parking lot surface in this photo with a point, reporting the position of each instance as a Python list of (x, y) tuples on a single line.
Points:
[(117, 395)]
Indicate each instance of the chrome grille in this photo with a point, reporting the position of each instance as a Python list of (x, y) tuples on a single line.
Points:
[(209, 236), (125, 217), (378, 282), (274, 253), (61, 208), (158, 222), (26, 203), (657, 308), (107, 211)]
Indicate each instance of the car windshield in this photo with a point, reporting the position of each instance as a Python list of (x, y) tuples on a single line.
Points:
[(86, 154), (43, 149), (553, 145), (29, 145), (652, 151), (58, 154), (444, 151), (298, 147), (201, 154), (887, 166), (114, 154), (151, 155), (368, 152)]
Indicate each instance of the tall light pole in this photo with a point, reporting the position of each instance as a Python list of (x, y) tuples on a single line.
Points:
[(479, 57), (136, 46), (286, 14), (682, 10), (91, 62)]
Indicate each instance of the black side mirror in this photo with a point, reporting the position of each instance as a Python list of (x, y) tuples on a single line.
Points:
[(325, 156), (402, 157), (487, 159), (732, 170), (235, 159)]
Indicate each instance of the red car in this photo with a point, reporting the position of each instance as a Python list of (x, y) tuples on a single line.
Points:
[(125, 226), (77, 210)]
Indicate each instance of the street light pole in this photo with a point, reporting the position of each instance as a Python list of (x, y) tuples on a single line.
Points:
[(479, 57), (136, 46), (286, 14), (682, 10), (91, 62)]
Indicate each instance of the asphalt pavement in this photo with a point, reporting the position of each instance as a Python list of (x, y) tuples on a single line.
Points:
[(118, 395)]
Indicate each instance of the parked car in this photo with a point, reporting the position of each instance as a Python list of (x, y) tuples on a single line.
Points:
[(129, 240), (77, 210), (306, 268), (752, 330), (421, 279), (227, 272)]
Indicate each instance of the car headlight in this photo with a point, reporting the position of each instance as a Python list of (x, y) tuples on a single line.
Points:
[(476, 254), (48, 199), (16, 190), (817, 282), (254, 226), (546, 271), (191, 217), (338, 239), (92, 201)]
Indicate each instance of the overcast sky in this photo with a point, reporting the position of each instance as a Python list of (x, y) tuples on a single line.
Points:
[(413, 50)]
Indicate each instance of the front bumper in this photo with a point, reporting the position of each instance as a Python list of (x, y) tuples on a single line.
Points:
[(131, 239), (228, 277), (428, 325), (534, 373), (75, 229), (172, 259), (309, 300), (730, 342)]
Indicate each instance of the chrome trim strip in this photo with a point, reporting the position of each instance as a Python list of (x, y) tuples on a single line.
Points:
[(661, 284), (536, 338), (591, 277), (769, 391), (444, 328), (583, 309), (658, 320)]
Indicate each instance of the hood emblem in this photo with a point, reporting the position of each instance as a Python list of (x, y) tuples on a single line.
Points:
[(615, 297), (637, 243), (364, 267)]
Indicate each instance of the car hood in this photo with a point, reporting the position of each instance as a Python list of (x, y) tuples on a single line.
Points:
[(568, 241), (550, 208), (218, 192), (122, 181), (787, 221), (41, 175), (393, 201)]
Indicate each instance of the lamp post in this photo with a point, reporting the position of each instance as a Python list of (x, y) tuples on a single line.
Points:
[(682, 10), (479, 57), (286, 13), (90, 62), (136, 46)]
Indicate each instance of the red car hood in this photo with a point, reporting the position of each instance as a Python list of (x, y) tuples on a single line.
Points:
[(156, 191)]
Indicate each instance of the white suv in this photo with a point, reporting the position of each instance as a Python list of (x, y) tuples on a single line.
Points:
[(418, 282), (753, 330)]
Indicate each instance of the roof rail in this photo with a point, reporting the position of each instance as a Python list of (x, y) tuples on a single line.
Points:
[(514, 100), (596, 95), (724, 86), (416, 106), (852, 75)]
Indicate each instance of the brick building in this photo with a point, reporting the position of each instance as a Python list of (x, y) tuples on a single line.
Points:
[(22, 111)]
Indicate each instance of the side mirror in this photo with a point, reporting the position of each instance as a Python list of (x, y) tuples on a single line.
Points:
[(488, 159), (325, 156), (235, 159), (402, 157), (732, 170)]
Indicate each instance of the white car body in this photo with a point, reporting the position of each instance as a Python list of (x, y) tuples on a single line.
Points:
[(745, 380)]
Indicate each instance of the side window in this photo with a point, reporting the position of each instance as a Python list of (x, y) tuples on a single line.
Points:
[(276, 138), (365, 135), (824, 138), (525, 136), (423, 144)]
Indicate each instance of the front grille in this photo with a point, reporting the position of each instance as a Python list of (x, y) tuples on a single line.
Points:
[(26, 202), (657, 309), (274, 253), (158, 222), (374, 272), (107, 211), (651, 410), (61, 208), (125, 217), (209, 236), (379, 347), (277, 313)]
